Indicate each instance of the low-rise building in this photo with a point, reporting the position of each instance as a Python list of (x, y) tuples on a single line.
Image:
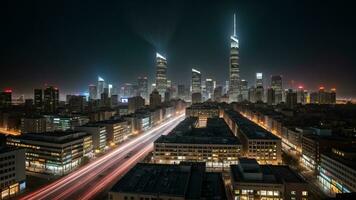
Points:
[(253, 181), (98, 133), (214, 144), (257, 142), (337, 170), (174, 182), (117, 130), (12, 172), (53, 153), (203, 111)]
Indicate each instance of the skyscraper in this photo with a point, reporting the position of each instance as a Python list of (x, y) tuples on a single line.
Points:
[(6, 98), (234, 84), (38, 99), (110, 89), (51, 99), (244, 90), (101, 86), (209, 88), (142, 83), (161, 74), (259, 79), (196, 81), (93, 92), (155, 99), (276, 85)]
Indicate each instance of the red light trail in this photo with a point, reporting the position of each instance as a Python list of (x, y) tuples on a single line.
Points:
[(100, 174)]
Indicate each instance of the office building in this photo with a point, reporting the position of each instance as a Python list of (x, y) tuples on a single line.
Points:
[(196, 81), (203, 111), (155, 99), (93, 92), (34, 124), (209, 88), (218, 93), (277, 86), (12, 172), (76, 103), (244, 91), (142, 83), (253, 181), (135, 103), (51, 99), (337, 170), (213, 144), (101, 86), (98, 134), (6, 98), (117, 130), (179, 182), (256, 142), (234, 72), (291, 99), (53, 153), (259, 79), (271, 96), (196, 98), (38, 99), (161, 74)]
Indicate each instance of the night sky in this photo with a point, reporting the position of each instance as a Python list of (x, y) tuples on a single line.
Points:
[(69, 43)]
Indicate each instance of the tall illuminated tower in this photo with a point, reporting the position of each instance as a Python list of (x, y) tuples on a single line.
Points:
[(101, 86), (161, 74), (234, 86)]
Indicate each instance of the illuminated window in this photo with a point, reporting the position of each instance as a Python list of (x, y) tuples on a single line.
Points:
[(270, 193), (263, 192), (275, 193), (305, 193), (292, 192)]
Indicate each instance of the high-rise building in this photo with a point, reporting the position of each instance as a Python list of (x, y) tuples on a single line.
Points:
[(276, 85), (196, 81), (259, 79), (142, 83), (301, 98), (244, 91), (218, 93), (51, 99), (101, 86), (155, 99), (12, 168), (270, 96), (234, 86), (77, 103), (5, 98), (110, 89), (135, 103), (209, 88), (181, 91), (291, 99), (93, 92), (161, 74), (38, 99)]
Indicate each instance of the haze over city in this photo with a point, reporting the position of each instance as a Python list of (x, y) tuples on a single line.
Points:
[(309, 43)]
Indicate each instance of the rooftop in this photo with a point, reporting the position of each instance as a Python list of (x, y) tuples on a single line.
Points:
[(250, 171), (188, 180), (249, 128), (57, 137), (216, 132)]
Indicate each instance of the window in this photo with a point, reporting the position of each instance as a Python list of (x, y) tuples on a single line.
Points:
[(292, 192), (263, 192), (305, 193)]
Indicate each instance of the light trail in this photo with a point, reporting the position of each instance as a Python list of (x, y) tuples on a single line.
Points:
[(9, 132), (73, 182)]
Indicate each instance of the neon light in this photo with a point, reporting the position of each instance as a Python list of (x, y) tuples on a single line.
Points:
[(8, 90), (160, 56)]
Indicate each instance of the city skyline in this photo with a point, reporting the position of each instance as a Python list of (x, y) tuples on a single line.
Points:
[(177, 36)]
